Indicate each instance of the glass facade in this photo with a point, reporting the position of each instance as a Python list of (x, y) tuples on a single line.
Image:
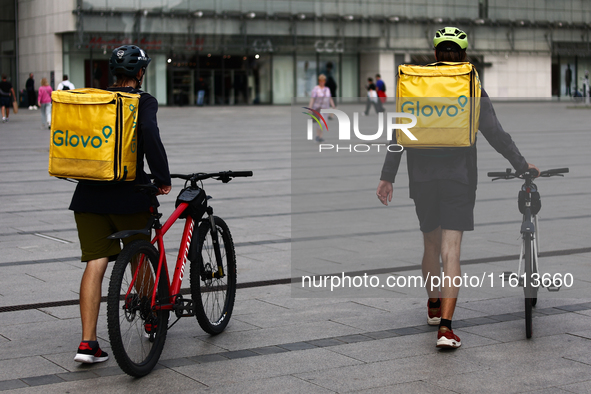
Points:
[(233, 52), (8, 44)]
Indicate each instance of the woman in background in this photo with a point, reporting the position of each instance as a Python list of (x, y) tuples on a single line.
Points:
[(44, 102), (320, 98)]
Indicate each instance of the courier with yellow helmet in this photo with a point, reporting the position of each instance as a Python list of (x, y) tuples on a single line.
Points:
[(442, 183)]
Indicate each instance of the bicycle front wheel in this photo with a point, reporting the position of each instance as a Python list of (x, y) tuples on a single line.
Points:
[(528, 286), (213, 291), (136, 331)]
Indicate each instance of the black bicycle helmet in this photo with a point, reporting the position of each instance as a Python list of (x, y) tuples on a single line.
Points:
[(128, 60)]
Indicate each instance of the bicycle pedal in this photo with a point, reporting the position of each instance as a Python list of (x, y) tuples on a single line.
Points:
[(553, 287)]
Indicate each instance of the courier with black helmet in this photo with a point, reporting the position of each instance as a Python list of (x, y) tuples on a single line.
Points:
[(129, 62), (105, 209)]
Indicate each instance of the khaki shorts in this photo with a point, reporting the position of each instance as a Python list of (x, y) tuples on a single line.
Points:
[(94, 228)]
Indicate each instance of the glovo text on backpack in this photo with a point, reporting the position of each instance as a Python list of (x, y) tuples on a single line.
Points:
[(94, 135), (445, 98)]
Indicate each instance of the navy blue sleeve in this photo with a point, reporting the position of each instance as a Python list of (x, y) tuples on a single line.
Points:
[(152, 144)]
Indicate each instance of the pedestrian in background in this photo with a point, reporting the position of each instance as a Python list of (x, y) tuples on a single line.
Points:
[(65, 84), (44, 102), (30, 87), (200, 87), (381, 88), (372, 98), (7, 96), (568, 78), (320, 98)]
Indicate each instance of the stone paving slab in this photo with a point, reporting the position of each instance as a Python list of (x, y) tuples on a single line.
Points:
[(276, 343)]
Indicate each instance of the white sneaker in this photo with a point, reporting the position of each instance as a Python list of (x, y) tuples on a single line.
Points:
[(35, 107), (30, 107)]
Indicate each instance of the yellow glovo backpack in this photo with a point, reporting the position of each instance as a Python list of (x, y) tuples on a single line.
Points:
[(445, 98), (93, 135)]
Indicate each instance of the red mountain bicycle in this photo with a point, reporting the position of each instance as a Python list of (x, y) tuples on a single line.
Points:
[(141, 294)]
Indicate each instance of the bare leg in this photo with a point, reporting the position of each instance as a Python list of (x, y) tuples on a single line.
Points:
[(90, 296), (451, 241), (318, 131), (430, 263)]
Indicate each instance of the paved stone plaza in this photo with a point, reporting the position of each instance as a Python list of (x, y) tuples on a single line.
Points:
[(277, 343)]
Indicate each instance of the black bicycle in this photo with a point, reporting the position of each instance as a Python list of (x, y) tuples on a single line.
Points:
[(529, 204)]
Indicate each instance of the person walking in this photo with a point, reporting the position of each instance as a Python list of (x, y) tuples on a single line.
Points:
[(330, 81), (320, 98), (372, 98), (331, 84), (44, 101), (381, 88), (443, 187), (200, 87), (65, 84), (102, 209), (30, 88), (568, 79), (7, 96)]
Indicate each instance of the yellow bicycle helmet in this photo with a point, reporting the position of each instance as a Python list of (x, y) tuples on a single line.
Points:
[(451, 34)]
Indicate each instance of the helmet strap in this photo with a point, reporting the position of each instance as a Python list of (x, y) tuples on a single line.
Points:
[(139, 81)]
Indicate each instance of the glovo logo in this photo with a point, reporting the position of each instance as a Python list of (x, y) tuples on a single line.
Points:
[(74, 140), (67, 138), (442, 110), (132, 108)]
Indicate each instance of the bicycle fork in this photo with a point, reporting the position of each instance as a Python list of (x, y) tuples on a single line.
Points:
[(528, 231), (216, 246)]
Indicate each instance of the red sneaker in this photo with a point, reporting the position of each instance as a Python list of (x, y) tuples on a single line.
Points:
[(89, 352), (433, 314), (448, 339)]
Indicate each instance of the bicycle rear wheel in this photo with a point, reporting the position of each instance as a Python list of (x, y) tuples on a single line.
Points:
[(137, 333), (213, 295)]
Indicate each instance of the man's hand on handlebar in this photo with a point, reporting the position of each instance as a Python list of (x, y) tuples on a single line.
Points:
[(533, 166), (163, 190)]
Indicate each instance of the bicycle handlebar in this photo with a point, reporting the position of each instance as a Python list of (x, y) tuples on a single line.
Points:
[(224, 176), (527, 174)]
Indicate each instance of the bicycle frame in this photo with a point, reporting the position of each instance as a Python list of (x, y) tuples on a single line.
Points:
[(141, 271), (179, 271)]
